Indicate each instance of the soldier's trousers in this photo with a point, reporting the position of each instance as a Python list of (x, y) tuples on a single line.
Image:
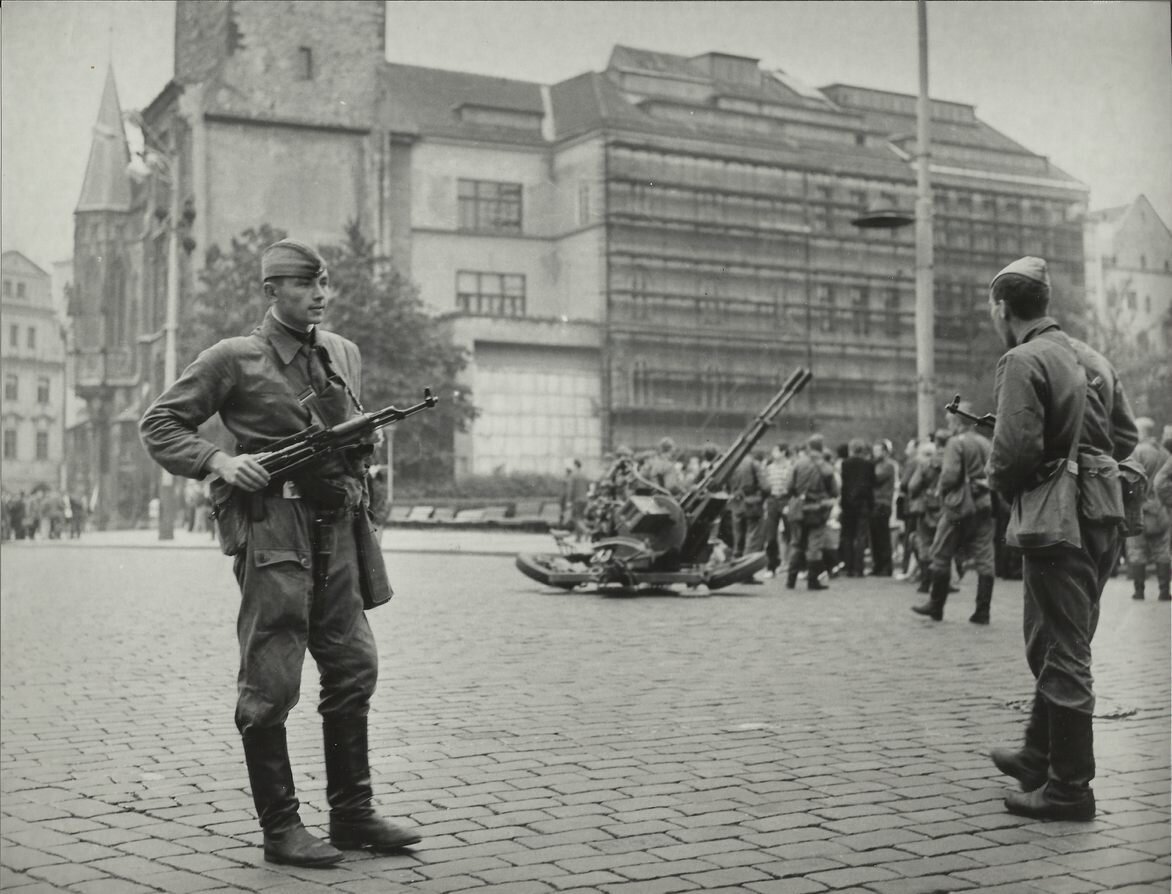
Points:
[(968, 539), (286, 608), (1062, 590)]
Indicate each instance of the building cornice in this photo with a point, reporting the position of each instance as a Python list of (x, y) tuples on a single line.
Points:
[(224, 118)]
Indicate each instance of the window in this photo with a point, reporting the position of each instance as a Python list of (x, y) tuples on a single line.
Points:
[(10, 443), (20, 290), (491, 294), (32, 336), (8, 288), (304, 64), (1131, 301), (826, 307), (11, 388), (893, 320), (489, 207), (43, 390), (1147, 304), (42, 445), (13, 336)]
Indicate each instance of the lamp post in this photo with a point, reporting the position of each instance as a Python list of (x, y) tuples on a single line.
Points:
[(891, 218)]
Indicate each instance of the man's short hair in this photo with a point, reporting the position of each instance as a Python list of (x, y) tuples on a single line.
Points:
[(1027, 299), (815, 442)]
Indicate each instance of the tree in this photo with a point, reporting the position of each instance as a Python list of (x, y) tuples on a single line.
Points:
[(404, 348)]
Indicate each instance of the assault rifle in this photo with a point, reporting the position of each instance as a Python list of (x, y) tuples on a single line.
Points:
[(315, 442), (988, 419)]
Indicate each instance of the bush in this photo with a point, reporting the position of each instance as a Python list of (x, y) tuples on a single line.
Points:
[(515, 485)]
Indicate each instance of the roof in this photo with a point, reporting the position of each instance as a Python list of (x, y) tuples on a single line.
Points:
[(106, 186), (13, 258), (431, 101)]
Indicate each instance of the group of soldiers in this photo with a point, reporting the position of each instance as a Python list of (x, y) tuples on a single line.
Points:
[(298, 544)]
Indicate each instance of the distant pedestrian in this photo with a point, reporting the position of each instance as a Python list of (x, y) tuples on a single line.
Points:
[(1058, 403), (1153, 546), (856, 504), (882, 508), (577, 492), (965, 531), (812, 489), (775, 525)]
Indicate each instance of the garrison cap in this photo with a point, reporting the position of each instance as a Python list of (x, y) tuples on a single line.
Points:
[(1029, 267), (290, 258)]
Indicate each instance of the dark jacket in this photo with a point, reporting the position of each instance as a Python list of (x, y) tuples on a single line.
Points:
[(1036, 388), (965, 457), (858, 484)]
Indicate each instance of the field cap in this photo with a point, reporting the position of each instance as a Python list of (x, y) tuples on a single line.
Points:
[(290, 258), (1029, 267)]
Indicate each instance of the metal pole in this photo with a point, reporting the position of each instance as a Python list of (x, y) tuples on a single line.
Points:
[(925, 306), (170, 326)]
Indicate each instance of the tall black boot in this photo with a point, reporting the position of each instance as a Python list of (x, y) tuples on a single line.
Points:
[(934, 607), (1029, 765), (796, 565), (1164, 580), (286, 839), (1067, 794), (353, 823), (812, 582), (984, 599), (1138, 573)]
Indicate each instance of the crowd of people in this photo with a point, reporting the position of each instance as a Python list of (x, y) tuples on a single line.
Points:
[(928, 517), (44, 513)]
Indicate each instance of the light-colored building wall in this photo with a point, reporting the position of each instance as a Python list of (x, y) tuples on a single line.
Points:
[(32, 370)]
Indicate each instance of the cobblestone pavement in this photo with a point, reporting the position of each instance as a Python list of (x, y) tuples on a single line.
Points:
[(754, 740)]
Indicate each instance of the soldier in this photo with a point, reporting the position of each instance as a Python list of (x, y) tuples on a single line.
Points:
[(812, 489), (1044, 385), (660, 468), (925, 498), (879, 522), (965, 530), (1151, 546), (295, 550), (749, 488)]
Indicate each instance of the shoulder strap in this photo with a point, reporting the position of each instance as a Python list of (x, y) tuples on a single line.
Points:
[(1081, 399)]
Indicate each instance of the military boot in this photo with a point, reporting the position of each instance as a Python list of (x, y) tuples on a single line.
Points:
[(1164, 580), (1029, 765), (938, 595), (1067, 793), (813, 575), (796, 565), (286, 840), (353, 823), (984, 599), (1138, 574)]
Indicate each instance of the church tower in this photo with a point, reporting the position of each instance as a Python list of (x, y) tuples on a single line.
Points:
[(103, 306)]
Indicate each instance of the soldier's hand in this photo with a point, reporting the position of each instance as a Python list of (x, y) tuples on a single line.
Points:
[(244, 471)]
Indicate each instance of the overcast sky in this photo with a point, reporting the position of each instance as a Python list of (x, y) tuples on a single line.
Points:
[(1088, 84)]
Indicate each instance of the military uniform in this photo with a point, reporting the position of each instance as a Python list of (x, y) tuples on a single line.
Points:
[(1040, 385), (964, 531), (925, 500), (1154, 545), (811, 488), (295, 560)]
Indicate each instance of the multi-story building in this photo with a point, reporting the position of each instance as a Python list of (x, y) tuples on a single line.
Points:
[(641, 251), (32, 365), (1129, 292)]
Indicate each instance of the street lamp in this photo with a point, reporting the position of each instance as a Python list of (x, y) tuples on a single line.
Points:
[(890, 218)]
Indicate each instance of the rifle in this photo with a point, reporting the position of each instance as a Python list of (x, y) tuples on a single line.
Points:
[(988, 419), (315, 442)]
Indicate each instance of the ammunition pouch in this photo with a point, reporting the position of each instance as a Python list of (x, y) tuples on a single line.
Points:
[(1100, 491), (1138, 518)]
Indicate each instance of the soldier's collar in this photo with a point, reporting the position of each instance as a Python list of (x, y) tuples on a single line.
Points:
[(1042, 324), (280, 337)]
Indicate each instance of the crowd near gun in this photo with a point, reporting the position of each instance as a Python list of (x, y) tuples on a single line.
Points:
[(988, 419), (657, 539), (316, 443)]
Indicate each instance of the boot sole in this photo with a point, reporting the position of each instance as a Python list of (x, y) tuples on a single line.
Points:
[(383, 847), (324, 863)]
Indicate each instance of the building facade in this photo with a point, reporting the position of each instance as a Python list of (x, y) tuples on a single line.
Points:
[(640, 251), (32, 366), (1129, 293)]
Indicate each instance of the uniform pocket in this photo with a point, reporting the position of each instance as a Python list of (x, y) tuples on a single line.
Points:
[(264, 557)]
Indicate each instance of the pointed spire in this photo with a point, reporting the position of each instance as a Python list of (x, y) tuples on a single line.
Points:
[(107, 184)]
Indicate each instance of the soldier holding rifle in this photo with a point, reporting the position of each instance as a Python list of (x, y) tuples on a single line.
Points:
[(298, 545), (1061, 411)]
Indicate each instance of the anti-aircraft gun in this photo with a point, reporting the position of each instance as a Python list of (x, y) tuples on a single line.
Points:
[(663, 539)]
